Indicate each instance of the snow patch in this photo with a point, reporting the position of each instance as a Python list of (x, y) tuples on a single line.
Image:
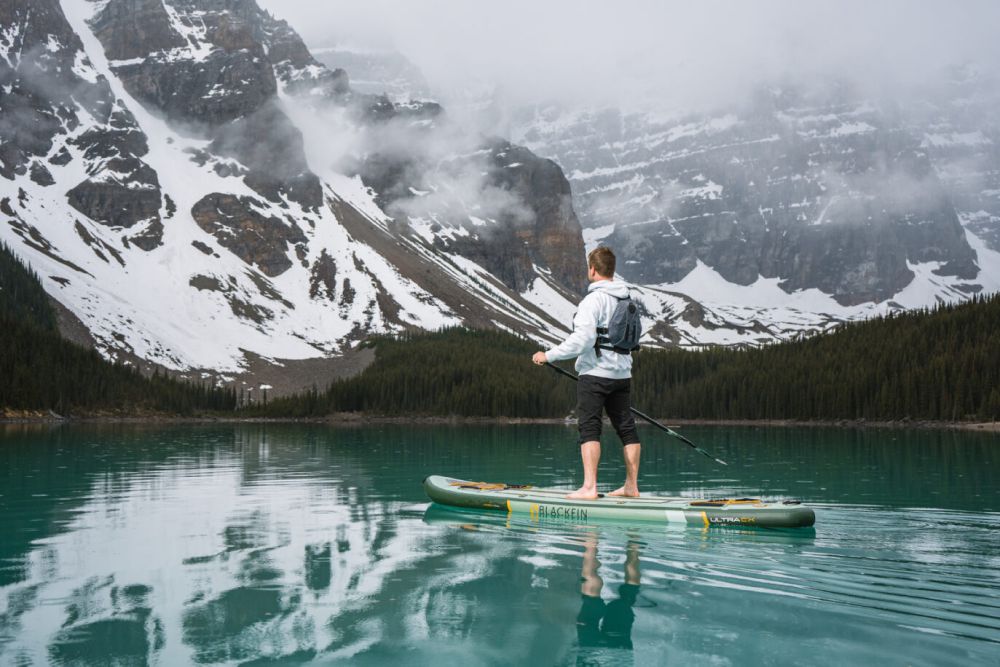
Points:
[(83, 69), (711, 190), (592, 236), (706, 285), (976, 138), (543, 295)]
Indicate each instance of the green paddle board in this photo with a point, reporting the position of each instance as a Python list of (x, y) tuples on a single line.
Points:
[(543, 503)]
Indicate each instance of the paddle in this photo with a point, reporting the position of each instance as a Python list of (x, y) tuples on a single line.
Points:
[(649, 419)]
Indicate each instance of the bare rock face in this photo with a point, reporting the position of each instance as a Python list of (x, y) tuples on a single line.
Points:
[(259, 240), (38, 82), (522, 203), (126, 192), (294, 65), (115, 204), (220, 88), (133, 28), (267, 143), (552, 234), (840, 212), (537, 228), (214, 72), (204, 67)]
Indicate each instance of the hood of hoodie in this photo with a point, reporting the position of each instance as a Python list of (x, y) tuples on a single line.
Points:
[(615, 288)]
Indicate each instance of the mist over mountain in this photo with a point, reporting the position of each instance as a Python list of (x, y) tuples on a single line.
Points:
[(199, 189), (653, 55), (847, 149)]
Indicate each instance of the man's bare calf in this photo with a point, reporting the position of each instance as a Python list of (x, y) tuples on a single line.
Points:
[(590, 452)]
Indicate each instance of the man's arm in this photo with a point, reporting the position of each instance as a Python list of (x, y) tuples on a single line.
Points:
[(583, 338)]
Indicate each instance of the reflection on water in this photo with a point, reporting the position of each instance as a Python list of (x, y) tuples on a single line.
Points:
[(181, 545), (601, 623)]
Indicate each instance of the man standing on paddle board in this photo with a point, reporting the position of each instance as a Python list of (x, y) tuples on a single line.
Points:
[(605, 376)]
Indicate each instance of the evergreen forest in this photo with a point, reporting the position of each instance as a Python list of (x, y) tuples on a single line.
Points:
[(39, 370), (934, 364)]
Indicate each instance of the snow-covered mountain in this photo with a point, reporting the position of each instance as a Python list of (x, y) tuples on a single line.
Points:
[(201, 193), (800, 208), (187, 180)]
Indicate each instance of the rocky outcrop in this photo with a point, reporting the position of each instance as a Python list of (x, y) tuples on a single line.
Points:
[(294, 65), (238, 303), (216, 89), (214, 71), (134, 28), (551, 235), (125, 191), (267, 143), (37, 77), (114, 203), (514, 209), (259, 240), (537, 227), (203, 66)]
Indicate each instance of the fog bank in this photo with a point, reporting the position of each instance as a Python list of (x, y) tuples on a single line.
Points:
[(651, 52)]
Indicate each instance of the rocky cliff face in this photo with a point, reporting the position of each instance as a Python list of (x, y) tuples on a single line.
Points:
[(819, 188), (956, 120), (497, 204)]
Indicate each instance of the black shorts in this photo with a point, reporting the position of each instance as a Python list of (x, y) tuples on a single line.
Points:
[(595, 395)]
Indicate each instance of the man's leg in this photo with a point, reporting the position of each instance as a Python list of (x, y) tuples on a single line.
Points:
[(619, 405), (589, 405), (631, 486), (590, 452)]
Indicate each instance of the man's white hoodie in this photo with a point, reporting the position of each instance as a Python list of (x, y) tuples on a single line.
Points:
[(595, 311)]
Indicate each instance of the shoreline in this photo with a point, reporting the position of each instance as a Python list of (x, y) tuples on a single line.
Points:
[(354, 419)]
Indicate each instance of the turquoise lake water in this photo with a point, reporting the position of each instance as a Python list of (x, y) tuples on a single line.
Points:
[(291, 544)]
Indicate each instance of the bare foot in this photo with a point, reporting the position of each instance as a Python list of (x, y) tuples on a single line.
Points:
[(583, 493), (626, 491)]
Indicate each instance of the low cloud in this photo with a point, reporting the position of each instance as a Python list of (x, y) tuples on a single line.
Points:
[(655, 53)]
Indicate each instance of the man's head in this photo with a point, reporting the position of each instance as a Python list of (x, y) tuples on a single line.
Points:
[(600, 264)]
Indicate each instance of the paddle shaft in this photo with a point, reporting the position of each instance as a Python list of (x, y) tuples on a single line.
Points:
[(643, 415)]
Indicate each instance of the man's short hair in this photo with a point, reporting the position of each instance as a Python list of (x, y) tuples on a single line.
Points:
[(602, 260)]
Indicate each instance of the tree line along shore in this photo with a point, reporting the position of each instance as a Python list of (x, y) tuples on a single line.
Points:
[(939, 365)]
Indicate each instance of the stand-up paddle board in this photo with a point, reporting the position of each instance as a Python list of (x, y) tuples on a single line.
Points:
[(543, 503)]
